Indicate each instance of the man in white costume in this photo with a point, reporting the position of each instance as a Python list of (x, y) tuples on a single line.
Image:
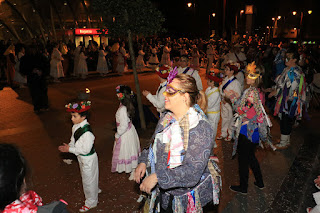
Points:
[(158, 100), (229, 83), (185, 69)]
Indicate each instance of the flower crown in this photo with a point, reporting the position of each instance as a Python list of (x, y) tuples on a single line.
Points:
[(120, 94), (78, 107), (251, 71)]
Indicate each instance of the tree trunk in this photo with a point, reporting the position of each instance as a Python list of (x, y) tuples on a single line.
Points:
[(136, 81), (52, 23)]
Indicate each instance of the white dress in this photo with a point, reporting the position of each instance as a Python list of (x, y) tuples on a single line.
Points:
[(56, 69), (17, 76), (165, 59), (82, 66), (195, 60), (140, 62), (121, 61), (102, 66), (153, 61), (127, 145)]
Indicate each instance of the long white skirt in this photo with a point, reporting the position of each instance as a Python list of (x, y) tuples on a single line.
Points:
[(126, 152)]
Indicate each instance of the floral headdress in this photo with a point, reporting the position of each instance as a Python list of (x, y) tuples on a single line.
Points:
[(252, 72), (121, 94), (163, 71), (78, 107)]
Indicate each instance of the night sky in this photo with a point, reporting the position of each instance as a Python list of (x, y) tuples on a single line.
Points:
[(184, 21)]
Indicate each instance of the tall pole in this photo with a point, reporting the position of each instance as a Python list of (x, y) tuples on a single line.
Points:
[(224, 19), (301, 18), (236, 22)]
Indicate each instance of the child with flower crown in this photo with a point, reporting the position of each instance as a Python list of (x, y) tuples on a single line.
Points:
[(82, 145), (127, 145)]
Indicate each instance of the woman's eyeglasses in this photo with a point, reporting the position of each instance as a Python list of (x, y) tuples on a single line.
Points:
[(171, 91)]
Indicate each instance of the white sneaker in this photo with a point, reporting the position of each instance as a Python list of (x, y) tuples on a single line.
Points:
[(85, 208)]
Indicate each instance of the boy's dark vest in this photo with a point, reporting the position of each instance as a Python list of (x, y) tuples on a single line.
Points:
[(79, 132)]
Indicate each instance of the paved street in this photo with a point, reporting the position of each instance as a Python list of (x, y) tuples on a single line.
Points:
[(288, 174)]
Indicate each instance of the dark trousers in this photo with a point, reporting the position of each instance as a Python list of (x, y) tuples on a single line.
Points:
[(246, 159), (38, 91), (286, 124)]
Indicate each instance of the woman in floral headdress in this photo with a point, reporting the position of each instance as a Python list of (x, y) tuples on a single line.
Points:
[(251, 126), (127, 145)]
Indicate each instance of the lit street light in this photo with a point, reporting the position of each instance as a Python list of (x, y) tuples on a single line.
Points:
[(213, 15), (309, 11), (189, 4), (294, 13)]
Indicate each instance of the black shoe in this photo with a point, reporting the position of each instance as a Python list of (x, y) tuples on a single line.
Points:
[(260, 186), (238, 189)]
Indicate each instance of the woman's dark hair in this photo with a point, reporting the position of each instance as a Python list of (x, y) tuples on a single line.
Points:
[(12, 173), (128, 100)]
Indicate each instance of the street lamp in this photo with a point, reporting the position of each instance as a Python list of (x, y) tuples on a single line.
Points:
[(189, 4), (309, 12), (241, 12), (213, 15), (294, 13)]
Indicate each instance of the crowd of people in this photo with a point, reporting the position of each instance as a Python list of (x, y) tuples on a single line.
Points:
[(178, 169)]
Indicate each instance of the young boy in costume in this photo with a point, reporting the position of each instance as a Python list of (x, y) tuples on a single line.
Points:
[(82, 145), (214, 99)]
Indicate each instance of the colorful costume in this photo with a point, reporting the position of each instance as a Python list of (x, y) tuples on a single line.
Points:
[(179, 156), (291, 97), (251, 126)]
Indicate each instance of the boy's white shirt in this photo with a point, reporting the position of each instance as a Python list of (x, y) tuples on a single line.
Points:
[(85, 142), (158, 100), (234, 85), (214, 99)]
